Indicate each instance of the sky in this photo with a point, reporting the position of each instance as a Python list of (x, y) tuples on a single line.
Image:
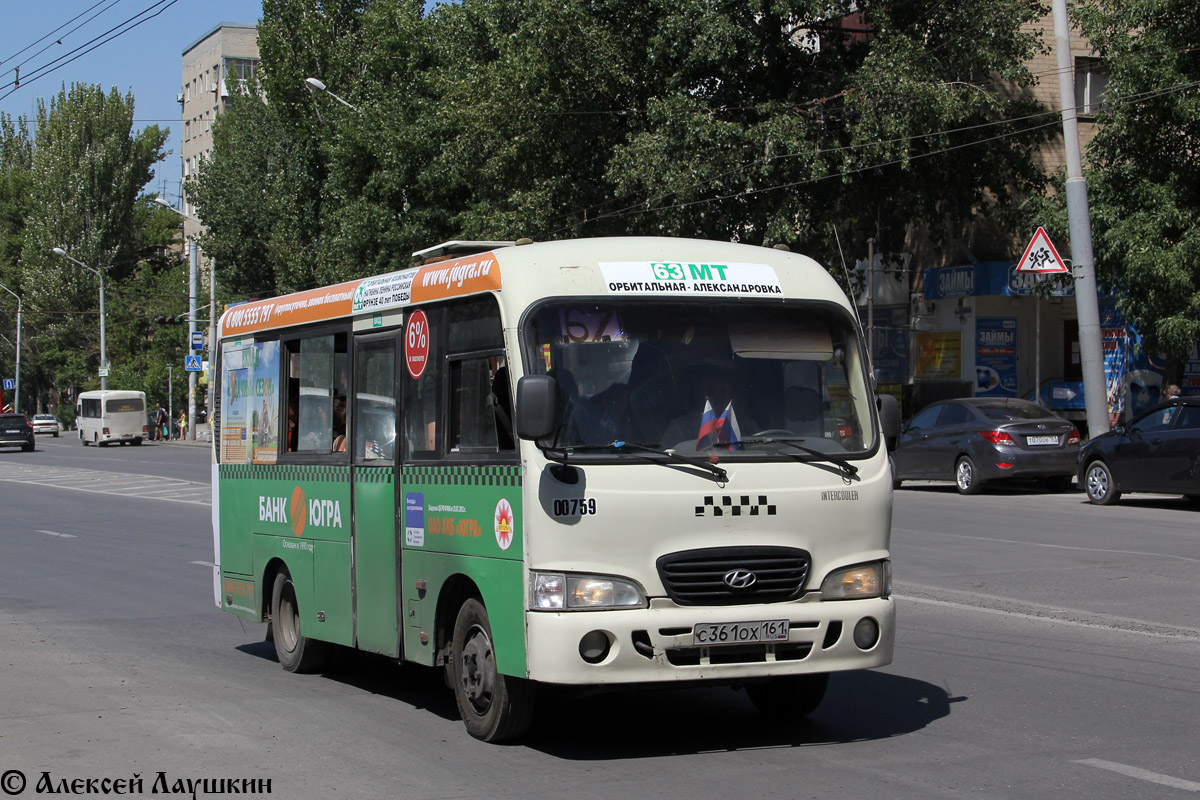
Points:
[(147, 60)]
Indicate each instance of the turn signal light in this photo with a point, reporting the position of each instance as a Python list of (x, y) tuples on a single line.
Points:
[(997, 437)]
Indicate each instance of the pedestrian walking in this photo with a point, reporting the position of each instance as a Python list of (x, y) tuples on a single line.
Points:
[(160, 423)]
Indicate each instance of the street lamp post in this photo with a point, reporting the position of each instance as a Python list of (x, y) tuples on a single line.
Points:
[(319, 86), (17, 389), (58, 251)]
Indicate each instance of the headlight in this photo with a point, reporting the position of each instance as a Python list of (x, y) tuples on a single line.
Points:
[(861, 580), (557, 591)]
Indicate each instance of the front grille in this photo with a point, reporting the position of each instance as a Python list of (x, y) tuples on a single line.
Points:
[(697, 577)]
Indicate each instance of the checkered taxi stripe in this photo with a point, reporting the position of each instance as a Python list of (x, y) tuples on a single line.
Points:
[(735, 506), (462, 476), (295, 473)]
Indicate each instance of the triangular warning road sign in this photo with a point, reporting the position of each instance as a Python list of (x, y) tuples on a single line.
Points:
[(1041, 257)]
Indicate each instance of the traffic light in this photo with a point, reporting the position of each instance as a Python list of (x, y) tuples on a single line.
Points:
[(179, 319)]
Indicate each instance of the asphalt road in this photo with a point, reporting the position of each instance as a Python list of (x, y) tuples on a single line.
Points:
[(1046, 648)]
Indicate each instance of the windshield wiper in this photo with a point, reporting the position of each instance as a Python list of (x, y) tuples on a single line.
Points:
[(568, 450), (848, 469), (676, 458)]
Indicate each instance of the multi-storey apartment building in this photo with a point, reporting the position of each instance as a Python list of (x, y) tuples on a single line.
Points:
[(213, 65)]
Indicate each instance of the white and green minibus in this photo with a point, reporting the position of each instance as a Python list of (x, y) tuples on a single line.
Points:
[(596, 462)]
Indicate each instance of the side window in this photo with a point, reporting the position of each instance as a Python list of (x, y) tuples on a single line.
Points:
[(317, 381), (375, 400), (926, 418), (1189, 418), (460, 405), (954, 414), (1157, 421), (421, 374)]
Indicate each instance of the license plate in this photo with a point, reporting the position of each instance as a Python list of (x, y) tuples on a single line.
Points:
[(1041, 440), (717, 633)]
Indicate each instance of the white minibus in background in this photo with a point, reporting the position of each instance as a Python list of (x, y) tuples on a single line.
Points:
[(111, 416)]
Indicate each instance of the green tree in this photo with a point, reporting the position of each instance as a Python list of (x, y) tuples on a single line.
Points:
[(87, 172), (1144, 176)]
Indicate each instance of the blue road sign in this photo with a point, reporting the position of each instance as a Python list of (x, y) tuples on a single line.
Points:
[(192, 363), (197, 340), (9, 383)]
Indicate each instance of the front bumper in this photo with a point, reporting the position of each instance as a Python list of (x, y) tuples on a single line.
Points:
[(655, 644)]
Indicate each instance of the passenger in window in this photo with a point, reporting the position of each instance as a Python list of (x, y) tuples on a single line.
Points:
[(339, 425)]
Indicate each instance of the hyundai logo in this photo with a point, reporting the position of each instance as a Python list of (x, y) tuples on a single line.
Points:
[(740, 579)]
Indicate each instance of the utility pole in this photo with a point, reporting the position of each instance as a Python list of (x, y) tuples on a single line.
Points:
[(1095, 391), (193, 281)]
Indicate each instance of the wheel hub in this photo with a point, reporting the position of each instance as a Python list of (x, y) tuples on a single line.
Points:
[(478, 669)]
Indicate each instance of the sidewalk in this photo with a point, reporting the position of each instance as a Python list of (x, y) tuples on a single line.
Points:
[(203, 438)]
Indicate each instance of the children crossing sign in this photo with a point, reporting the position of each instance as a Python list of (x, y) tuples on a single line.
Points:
[(1041, 257)]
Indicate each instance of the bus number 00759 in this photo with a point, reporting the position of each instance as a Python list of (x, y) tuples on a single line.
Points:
[(575, 507)]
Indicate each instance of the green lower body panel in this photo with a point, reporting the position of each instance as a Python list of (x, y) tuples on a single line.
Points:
[(499, 581)]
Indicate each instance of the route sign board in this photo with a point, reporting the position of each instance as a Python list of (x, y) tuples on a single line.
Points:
[(1040, 256), (9, 383), (192, 363), (103, 372), (197, 340)]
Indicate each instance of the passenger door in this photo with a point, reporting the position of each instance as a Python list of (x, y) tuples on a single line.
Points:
[(1181, 452), (373, 466), (1139, 465), (912, 456)]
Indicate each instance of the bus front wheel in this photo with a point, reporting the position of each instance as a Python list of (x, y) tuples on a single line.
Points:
[(789, 696), (296, 652), (494, 707)]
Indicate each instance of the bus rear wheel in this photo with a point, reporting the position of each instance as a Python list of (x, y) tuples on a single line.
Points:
[(296, 652), (494, 707), (789, 696)]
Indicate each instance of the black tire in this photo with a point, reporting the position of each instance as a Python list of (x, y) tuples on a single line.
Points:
[(966, 478), (494, 707), (1193, 498), (137, 442), (896, 481), (296, 652), (28, 448), (1099, 485), (56, 434), (790, 696)]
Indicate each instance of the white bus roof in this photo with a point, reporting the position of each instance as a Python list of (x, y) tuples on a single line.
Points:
[(625, 267)]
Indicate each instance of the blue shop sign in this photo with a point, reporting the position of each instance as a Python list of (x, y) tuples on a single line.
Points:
[(984, 278)]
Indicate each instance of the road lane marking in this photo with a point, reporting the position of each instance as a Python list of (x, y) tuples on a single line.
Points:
[(1049, 546), (1048, 614), (1142, 774), (202, 563), (56, 533), (172, 490)]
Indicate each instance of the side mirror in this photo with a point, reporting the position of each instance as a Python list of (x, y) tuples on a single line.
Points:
[(537, 407), (889, 418)]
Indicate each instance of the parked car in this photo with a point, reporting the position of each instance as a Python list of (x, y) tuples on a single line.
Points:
[(46, 423), (16, 430), (974, 440), (1157, 451)]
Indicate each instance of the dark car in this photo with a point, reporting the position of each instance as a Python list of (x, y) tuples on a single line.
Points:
[(974, 440), (16, 430), (1158, 451)]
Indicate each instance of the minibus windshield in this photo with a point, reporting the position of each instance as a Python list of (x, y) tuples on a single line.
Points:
[(738, 378)]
